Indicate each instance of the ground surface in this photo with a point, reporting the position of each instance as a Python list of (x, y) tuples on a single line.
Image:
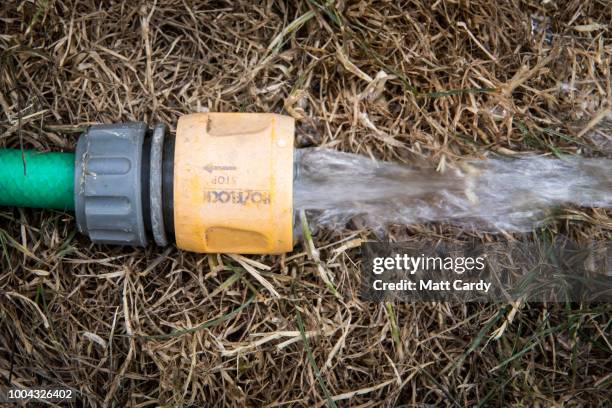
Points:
[(436, 81)]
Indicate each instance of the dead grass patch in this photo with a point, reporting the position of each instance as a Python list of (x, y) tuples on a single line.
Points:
[(406, 81)]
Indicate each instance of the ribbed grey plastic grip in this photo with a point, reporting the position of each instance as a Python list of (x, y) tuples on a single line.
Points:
[(108, 193)]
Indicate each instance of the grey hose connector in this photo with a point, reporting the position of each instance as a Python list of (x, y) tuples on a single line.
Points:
[(108, 179), (155, 185)]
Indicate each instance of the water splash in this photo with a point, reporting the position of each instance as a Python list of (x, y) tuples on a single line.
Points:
[(514, 194)]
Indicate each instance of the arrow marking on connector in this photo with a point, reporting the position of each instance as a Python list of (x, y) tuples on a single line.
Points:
[(211, 167)]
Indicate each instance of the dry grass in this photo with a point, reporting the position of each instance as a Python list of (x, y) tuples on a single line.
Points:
[(415, 80)]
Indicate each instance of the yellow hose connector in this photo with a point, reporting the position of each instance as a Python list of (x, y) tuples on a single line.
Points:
[(233, 183)]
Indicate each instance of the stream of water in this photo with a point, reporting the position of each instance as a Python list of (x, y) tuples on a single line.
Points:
[(513, 194)]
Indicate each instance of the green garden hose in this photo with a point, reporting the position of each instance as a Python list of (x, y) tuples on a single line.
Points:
[(34, 179)]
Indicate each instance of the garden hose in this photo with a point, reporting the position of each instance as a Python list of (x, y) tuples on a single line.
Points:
[(223, 183), (34, 179)]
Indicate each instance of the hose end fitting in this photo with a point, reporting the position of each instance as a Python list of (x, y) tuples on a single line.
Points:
[(233, 183), (118, 184)]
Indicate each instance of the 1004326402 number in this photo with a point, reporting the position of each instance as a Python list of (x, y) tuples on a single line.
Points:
[(38, 394)]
